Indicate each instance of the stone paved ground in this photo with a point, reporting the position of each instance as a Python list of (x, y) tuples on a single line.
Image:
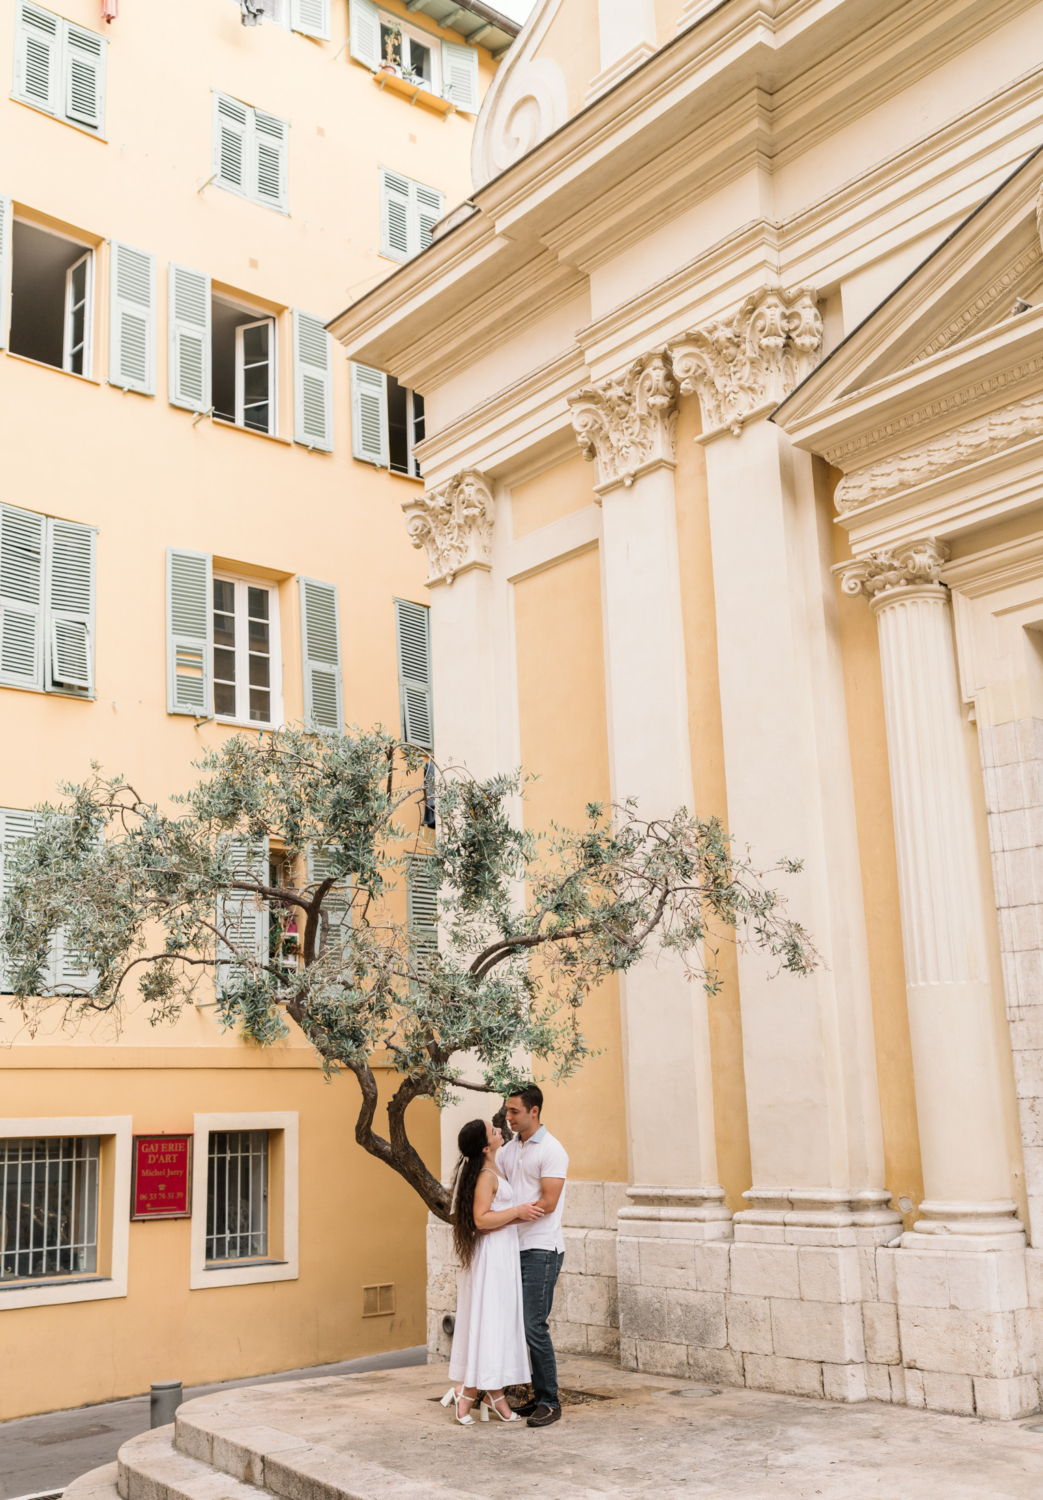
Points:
[(653, 1437), (47, 1452)]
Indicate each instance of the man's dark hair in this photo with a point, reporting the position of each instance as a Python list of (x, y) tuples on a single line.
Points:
[(531, 1096)]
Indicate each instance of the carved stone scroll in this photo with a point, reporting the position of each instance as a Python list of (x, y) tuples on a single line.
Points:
[(627, 422), (740, 364), (454, 522), (886, 569)]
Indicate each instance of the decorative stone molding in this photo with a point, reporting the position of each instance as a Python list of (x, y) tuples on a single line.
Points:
[(455, 523), (527, 101), (998, 290), (755, 358), (963, 445), (627, 422), (846, 455), (886, 569)]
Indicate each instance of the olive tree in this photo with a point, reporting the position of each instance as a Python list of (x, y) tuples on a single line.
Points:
[(274, 890)]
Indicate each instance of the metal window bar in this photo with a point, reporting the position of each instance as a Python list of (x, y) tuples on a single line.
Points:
[(237, 1195), (48, 1206)]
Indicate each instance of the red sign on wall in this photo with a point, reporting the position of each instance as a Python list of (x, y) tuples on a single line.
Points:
[(162, 1177)]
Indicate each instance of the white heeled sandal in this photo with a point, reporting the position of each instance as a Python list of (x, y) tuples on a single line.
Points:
[(488, 1405), (453, 1399)]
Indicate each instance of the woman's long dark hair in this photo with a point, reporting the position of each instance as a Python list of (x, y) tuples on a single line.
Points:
[(472, 1141)]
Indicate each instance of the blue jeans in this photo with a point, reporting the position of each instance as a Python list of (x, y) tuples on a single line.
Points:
[(539, 1273)]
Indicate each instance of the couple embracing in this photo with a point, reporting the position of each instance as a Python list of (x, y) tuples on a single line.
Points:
[(507, 1205)]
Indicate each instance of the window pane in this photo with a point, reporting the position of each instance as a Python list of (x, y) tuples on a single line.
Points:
[(259, 636), (260, 706), (224, 630), (256, 417), (224, 700), (224, 595), (79, 282), (255, 344), (419, 60), (224, 664), (259, 671), (398, 441), (48, 1206), (255, 383), (257, 604), (237, 1195)]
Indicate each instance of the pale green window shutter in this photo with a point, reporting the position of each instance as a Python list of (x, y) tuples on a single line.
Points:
[(38, 50), (242, 916), (312, 383), (15, 824), (422, 906), (320, 646), (395, 214), (269, 141), (232, 131), (337, 905), (70, 605), (5, 267), (460, 76), (132, 319), (312, 17), (189, 329), (364, 38), (429, 204), (64, 969), (84, 82), (22, 544), (369, 415), (190, 617), (413, 633)]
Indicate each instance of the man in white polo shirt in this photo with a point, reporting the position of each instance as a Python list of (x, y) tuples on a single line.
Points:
[(536, 1165)]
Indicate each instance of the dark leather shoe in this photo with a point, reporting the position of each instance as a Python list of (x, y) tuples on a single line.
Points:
[(527, 1409), (543, 1416)]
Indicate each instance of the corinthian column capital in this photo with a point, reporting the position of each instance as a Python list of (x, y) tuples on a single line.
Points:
[(626, 423), (454, 522), (751, 360), (886, 571)]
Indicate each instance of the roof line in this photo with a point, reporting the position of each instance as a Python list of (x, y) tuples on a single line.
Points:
[(960, 227)]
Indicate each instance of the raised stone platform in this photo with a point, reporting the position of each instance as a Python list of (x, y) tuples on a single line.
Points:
[(384, 1435)]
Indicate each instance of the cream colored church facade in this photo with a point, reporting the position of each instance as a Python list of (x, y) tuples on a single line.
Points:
[(776, 269)]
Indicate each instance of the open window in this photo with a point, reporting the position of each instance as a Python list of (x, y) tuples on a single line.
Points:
[(243, 366), (387, 421), (52, 292)]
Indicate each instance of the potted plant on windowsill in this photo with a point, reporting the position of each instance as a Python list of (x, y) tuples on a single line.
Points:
[(392, 51)]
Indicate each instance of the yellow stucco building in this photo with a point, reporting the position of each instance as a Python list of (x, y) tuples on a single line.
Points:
[(200, 533)]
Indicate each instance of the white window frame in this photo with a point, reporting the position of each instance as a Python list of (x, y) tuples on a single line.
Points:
[(251, 146), (87, 258), (247, 1273), (88, 322), (90, 1286), (412, 470), (240, 375), (425, 39), (242, 650)]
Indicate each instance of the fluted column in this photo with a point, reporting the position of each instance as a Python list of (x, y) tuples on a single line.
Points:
[(959, 1083), (816, 1140), (626, 426)]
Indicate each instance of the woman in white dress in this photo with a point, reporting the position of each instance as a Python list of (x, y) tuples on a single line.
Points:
[(489, 1349)]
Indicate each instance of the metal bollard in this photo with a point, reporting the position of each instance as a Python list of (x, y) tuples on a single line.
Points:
[(164, 1400)]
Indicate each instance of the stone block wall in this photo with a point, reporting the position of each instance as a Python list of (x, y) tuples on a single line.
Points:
[(1012, 770), (585, 1319), (777, 1309)]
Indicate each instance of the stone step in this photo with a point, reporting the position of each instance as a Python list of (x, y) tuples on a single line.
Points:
[(150, 1467), (96, 1484), (208, 1455)]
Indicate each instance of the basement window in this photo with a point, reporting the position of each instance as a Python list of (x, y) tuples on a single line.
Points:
[(243, 366), (52, 285)]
